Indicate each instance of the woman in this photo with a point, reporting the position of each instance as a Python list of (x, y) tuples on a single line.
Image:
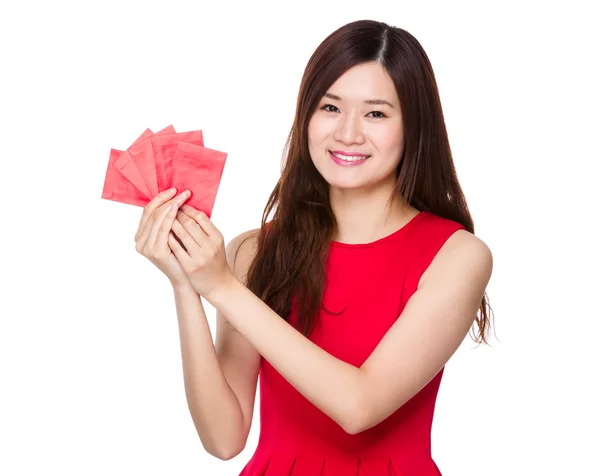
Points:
[(351, 300)]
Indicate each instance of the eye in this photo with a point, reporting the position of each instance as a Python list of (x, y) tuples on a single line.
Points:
[(375, 117), (379, 112), (326, 106)]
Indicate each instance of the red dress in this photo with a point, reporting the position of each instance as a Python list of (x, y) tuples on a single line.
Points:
[(367, 288)]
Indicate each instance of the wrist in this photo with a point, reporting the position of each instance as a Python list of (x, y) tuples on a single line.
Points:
[(219, 293), (183, 287)]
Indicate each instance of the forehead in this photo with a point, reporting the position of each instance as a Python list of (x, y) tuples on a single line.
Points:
[(363, 82)]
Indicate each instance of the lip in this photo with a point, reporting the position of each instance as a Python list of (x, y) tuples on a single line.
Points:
[(346, 163), (348, 154)]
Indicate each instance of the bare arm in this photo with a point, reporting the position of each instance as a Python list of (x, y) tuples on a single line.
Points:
[(433, 324), (220, 380)]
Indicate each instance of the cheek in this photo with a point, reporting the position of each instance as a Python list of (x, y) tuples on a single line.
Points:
[(317, 130), (388, 140)]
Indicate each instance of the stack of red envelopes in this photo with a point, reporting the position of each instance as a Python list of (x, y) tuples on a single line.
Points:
[(157, 162)]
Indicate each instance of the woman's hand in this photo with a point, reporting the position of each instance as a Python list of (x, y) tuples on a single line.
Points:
[(203, 258), (154, 230)]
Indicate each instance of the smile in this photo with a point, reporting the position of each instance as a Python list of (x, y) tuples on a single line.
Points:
[(343, 160)]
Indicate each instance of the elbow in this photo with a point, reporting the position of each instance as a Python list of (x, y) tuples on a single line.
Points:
[(354, 426), (224, 439), (359, 423), (224, 454), (357, 417), (352, 430)]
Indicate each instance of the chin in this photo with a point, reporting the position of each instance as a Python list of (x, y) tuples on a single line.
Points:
[(338, 178), (343, 184)]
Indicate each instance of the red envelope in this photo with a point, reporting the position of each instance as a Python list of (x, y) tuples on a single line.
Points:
[(156, 162), (164, 150), (198, 169), (142, 154), (127, 167), (116, 186), (137, 164)]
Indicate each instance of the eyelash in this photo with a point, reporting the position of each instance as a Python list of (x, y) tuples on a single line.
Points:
[(331, 105)]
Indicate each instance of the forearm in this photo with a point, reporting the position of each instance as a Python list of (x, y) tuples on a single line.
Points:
[(329, 383), (213, 405)]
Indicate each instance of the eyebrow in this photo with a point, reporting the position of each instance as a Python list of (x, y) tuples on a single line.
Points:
[(368, 101)]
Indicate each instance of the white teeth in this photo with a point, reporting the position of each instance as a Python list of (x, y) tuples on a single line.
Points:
[(350, 158)]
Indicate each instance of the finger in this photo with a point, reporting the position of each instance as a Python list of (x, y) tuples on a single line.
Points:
[(150, 230), (178, 240), (165, 226), (184, 236), (202, 219), (193, 228), (183, 209), (151, 206), (155, 224), (161, 213), (179, 252)]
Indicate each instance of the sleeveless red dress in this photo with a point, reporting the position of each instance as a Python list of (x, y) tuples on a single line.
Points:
[(367, 288)]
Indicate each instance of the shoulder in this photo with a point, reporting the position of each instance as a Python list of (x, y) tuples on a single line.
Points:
[(240, 250), (463, 255), (465, 245), (456, 239)]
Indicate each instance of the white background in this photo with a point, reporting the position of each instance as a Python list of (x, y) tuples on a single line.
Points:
[(90, 367)]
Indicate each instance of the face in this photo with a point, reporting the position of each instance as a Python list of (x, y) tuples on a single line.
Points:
[(345, 124)]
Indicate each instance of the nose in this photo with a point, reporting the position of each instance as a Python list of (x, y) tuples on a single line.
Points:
[(349, 129)]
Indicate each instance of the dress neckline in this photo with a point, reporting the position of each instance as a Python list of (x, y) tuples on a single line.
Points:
[(394, 234)]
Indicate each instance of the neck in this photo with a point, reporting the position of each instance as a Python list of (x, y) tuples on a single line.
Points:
[(366, 218)]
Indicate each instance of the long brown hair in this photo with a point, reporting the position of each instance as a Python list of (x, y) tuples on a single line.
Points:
[(292, 248)]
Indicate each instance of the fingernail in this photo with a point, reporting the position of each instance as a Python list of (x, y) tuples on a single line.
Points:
[(171, 190)]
